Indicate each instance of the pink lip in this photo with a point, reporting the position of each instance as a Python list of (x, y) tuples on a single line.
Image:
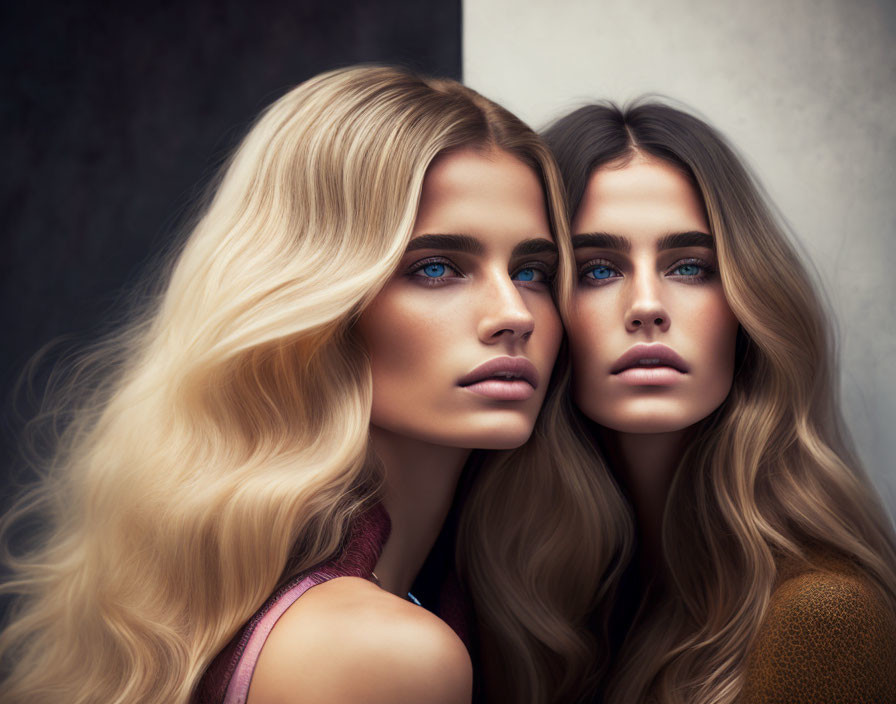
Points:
[(503, 379), (650, 376), (653, 364)]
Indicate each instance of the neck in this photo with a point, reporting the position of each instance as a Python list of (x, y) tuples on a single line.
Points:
[(646, 465), (419, 488)]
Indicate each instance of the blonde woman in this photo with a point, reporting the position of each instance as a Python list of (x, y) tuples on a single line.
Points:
[(259, 464), (764, 569)]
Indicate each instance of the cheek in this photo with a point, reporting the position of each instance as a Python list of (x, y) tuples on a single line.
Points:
[(715, 340), (726, 324), (401, 340), (588, 326), (548, 328)]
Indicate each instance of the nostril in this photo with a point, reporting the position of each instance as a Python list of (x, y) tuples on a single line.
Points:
[(658, 321)]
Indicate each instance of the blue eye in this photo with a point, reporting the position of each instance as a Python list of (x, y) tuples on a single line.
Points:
[(530, 274), (688, 270), (599, 272), (434, 271)]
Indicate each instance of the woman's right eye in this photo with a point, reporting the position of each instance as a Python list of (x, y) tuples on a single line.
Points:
[(432, 271), (597, 273)]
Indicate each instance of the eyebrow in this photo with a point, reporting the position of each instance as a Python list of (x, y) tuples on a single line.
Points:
[(674, 240), (471, 245), (454, 243), (537, 245), (677, 240), (601, 240)]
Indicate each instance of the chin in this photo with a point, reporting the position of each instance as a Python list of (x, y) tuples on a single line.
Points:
[(492, 431), (646, 417), (644, 426), (505, 437), (508, 442)]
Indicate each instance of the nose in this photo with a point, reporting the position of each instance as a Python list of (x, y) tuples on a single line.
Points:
[(504, 313), (645, 309)]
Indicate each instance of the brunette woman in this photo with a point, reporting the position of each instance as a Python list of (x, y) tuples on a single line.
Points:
[(764, 569)]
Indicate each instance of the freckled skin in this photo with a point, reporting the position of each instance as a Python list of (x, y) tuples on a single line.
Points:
[(422, 338), (651, 298)]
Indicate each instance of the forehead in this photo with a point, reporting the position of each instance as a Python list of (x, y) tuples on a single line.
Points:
[(645, 195), (481, 192)]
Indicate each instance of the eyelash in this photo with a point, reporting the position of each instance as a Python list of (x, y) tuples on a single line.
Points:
[(546, 271), (597, 264), (707, 271), (432, 280)]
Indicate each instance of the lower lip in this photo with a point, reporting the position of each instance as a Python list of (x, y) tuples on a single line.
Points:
[(650, 376), (516, 390)]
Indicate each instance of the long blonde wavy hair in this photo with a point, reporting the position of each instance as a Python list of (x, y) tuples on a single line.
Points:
[(770, 476), (218, 444)]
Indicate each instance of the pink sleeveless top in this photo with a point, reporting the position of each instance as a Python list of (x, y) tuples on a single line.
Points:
[(227, 679)]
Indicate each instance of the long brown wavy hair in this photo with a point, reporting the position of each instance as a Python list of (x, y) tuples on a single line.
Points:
[(218, 444), (769, 476)]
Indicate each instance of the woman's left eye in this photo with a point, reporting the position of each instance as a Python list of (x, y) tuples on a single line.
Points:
[(688, 270), (691, 269)]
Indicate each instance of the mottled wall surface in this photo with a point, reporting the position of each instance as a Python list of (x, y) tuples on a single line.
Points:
[(114, 118), (806, 89)]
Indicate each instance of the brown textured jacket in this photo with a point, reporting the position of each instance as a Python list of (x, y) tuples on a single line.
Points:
[(827, 637)]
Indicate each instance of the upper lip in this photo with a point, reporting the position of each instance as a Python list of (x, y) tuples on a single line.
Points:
[(637, 355), (513, 367)]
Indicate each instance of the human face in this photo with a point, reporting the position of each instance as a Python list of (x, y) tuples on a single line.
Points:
[(472, 289), (652, 336)]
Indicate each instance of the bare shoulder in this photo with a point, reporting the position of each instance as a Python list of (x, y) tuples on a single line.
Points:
[(826, 634), (347, 640)]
